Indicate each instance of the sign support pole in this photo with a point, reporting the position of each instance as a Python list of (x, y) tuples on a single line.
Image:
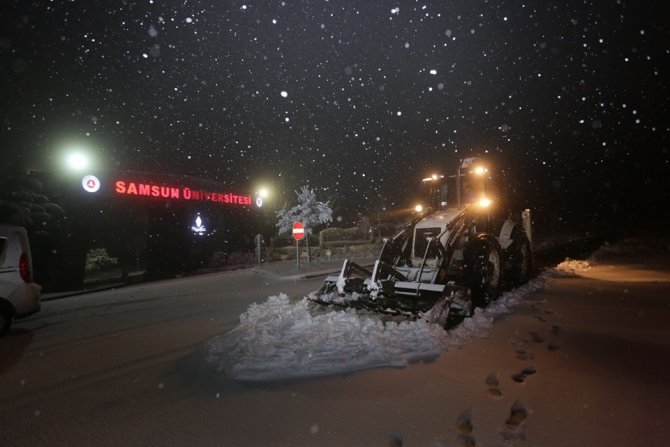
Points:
[(297, 253), (298, 233)]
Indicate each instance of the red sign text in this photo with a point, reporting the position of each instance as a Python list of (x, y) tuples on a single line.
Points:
[(127, 188)]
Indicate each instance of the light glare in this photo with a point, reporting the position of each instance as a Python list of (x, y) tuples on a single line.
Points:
[(485, 202), (77, 161)]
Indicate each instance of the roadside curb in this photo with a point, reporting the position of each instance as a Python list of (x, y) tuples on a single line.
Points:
[(59, 295)]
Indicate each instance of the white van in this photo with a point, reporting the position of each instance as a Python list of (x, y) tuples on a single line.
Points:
[(19, 295)]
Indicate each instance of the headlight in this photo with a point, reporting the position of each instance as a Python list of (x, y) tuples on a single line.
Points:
[(485, 202), (479, 170)]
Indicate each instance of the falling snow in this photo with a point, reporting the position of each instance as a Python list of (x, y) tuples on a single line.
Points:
[(537, 86)]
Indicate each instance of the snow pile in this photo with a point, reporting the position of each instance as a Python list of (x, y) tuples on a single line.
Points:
[(569, 268), (573, 267), (284, 339), (482, 320), (280, 339)]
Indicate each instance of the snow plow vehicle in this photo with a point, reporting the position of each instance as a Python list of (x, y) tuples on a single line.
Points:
[(456, 254)]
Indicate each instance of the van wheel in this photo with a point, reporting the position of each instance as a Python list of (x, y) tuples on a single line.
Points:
[(5, 320)]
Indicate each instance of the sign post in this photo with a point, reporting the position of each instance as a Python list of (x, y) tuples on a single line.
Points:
[(298, 234), (259, 248)]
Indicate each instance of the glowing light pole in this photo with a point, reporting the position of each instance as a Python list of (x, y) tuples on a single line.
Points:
[(77, 161), (261, 195), (264, 192)]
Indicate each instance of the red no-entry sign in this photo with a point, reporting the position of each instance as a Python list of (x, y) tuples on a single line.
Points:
[(298, 231)]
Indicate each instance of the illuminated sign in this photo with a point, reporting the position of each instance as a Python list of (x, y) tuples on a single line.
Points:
[(129, 188), (198, 228), (90, 183), (259, 201)]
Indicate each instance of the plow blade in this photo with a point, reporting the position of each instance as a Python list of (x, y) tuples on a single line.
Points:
[(410, 300)]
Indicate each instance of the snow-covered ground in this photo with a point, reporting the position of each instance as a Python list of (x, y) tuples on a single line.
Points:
[(285, 339), (580, 356)]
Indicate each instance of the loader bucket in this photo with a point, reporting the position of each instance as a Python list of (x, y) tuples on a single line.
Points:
[(427, 298), (409, 300)]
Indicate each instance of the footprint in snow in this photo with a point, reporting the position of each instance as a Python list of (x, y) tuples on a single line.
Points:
[(523, 354), (466, 441), (555, 329), (395, 440), (512, 429), (493, 384), (553, 347), (537, 338), (521, 376), (464, 422), (465, 427)]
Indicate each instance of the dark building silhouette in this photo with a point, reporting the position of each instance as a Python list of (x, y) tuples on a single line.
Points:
[(160, 224)]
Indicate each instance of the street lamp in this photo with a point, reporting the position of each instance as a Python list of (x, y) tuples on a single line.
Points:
[(77, 161), (75, 157), (263, 192), (261, 196)]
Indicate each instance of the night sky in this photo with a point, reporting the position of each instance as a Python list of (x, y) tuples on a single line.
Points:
[(360, 99)]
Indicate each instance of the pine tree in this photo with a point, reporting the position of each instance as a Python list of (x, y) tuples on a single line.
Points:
[(309, 211)]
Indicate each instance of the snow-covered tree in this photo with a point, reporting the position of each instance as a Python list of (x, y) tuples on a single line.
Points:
[(98, 258), (309, 211), (23, 202)]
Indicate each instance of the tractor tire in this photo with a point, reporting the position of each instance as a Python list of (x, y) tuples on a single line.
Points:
[(518, 258), (483, 270)]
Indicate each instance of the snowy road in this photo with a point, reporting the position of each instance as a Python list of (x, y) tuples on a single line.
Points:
[(97, 369), (583, 361)]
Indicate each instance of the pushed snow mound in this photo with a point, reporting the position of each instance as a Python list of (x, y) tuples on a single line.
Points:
[(280, 339), (284, 339), (569, 268)]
